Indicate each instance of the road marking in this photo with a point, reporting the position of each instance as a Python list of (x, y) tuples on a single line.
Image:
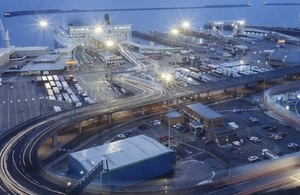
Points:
[(298, 180)]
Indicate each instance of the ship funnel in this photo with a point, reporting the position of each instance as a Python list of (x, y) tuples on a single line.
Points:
[(107, 20)]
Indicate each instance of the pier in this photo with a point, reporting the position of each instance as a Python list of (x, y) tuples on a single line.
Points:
[(288, 31)]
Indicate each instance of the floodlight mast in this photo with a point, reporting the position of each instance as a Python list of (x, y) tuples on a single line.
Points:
[(5, 35)]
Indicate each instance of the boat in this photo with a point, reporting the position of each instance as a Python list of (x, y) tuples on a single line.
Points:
[(63, 38)]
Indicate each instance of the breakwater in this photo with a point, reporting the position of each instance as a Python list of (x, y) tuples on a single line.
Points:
[(54, 11)]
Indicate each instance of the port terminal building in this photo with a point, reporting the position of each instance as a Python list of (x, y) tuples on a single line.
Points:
[(31, 61), (129, 161), (205, 115)]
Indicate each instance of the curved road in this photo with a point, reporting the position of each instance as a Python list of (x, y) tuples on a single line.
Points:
[(20, 170), (19, 166)]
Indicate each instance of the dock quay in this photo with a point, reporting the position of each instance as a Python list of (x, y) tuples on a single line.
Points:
[(166, 39), (283, 30), (191, 41)]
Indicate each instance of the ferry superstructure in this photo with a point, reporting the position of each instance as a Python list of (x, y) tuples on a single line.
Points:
[(68, 36)]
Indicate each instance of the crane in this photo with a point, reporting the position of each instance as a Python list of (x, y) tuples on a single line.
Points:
[(5, 35)]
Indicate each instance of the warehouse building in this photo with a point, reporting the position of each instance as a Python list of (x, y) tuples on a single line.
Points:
[(205, 115), (130, 161)]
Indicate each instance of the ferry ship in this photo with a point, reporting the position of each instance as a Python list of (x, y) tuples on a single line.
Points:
[(63, 38), (72, 35)]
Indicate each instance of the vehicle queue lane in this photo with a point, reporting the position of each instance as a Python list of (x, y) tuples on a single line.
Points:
[(18, 103)]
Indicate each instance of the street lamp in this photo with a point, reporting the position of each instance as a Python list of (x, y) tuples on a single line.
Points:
[(167, 77), (186, 25), (98, 29), (43, 24)]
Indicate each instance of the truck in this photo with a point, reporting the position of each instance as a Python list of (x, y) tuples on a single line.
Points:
[(65, 85), (269, 154), (58, 85)]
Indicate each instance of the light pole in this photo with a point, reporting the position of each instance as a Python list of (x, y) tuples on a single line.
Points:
[(43, 24), (265, 69), (174, 33), (166, 77)]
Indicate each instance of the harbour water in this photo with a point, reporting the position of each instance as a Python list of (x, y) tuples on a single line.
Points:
[(24, 30)]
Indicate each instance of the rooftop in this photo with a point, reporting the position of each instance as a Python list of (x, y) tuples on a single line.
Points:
[(204, 111), (121, 153)]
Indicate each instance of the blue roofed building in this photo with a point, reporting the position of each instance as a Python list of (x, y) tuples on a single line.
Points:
[(129, 161)]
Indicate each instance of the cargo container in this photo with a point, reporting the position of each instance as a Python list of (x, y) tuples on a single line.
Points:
[(69, 91), (50, 92), (52, 84), (55, 78), (79, 89), (47, 86), (57, 108), (61, 78), (74, 98), (65, 85), (66, 97), (67, 78), (51, 97), (50, 78), (44, 78), (55, 90), (58, 85)]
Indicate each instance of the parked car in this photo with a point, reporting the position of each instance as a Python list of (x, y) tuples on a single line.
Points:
[(273, 128), (156, 122), (236, 143), (266, 126), (142, 127), (290, 127), (282, 133), (206, 140), (252, 158), (252, 138), (236, 110), (121, 136), (277, 137), (165, 138), (253, 119), (290, 145)]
